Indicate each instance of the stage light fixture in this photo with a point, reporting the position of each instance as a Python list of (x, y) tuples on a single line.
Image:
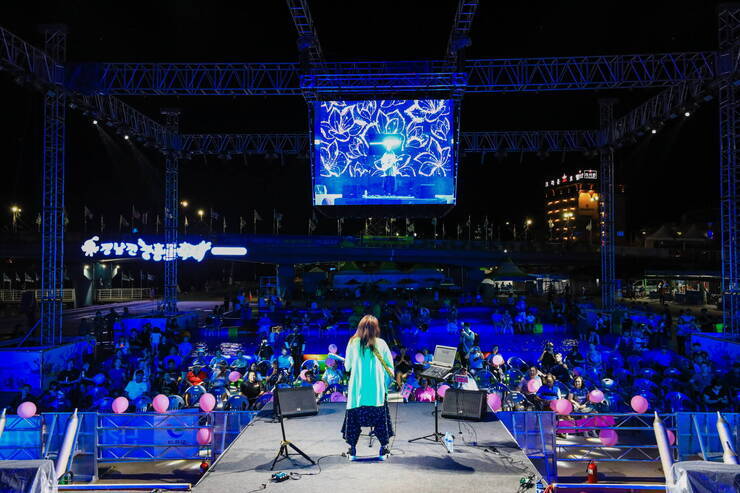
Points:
[(94, 122), (125, 137), (653, 131), (687, 114)]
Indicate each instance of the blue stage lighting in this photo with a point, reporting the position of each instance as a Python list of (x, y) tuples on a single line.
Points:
[(392, 142)]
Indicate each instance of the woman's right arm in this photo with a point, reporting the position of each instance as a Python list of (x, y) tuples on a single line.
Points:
[(349, 359)]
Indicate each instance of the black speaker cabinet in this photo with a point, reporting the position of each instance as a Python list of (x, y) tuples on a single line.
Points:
[(299, 401), (464, 404)]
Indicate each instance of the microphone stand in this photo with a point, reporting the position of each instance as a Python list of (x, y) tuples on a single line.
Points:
[(436, 436)]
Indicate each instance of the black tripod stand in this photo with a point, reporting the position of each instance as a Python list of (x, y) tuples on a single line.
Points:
[(436, 436), (283, 453)]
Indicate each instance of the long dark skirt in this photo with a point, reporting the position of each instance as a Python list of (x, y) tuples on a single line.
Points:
[(377, 417)]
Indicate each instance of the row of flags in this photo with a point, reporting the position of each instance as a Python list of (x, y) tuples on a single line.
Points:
[(136, 220), (17, 277)]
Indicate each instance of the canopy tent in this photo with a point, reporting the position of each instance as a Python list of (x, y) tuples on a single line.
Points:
[(509, 271)]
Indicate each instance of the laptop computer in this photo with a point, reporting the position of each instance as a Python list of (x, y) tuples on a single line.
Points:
[(441, 366)]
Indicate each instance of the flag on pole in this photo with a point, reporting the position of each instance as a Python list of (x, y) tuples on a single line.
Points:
[(88, 213), (17, 277), (242, 223), (6, 278), (27, 278), (122, 222), (157, 222), (65, 221), (459, 231), (38, 221), (144, 218), (257, 216), (186, 222), (589, 226), (134, 213), (224, 218)]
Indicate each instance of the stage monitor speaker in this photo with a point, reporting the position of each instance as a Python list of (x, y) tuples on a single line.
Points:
[(464, 404), (299, 401)]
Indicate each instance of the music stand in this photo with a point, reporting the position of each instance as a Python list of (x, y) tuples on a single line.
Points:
[(283, 452), (436, 436)]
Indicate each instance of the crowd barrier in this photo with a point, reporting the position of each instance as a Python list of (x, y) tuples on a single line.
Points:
[(127, 437)]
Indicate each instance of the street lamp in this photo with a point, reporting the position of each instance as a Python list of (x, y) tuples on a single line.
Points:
[(15, 213), (184, 203), (200, 213)]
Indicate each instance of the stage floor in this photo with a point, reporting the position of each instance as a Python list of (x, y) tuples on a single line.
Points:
[(495, 464)]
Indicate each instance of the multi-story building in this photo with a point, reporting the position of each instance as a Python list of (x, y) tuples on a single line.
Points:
[(572, 206)]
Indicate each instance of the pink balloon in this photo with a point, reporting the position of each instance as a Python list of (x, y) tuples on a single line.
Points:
[(534, 385), (302, 374), (161, 403), (207, 402), (563, 407), (553, 405), (234, 376), (204, 436), (26, 409), (671, 436), (419, 357), (498, 360), (330, 362), (608, 437), (332, 348), (337, 397), (119, 405), (442, 390), (596, 396), (319, 387), (494, 401), (639, 404)]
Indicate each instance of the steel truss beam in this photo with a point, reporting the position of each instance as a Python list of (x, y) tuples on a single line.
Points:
[(18, 56), (171, 218), (515, 141), (486, 75), (52, 216), (606, 213), (729, 127), (308, 39), (666, 105), (461, 26), (530, 141)]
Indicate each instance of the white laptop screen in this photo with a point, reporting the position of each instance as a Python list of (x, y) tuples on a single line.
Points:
[(444, 355)]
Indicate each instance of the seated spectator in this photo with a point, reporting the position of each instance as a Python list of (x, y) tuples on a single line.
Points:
[(196, 375), (578, 396), (137, 387), (265, 351), (332, 375), (560, 370), (548, 392), (533, 374), (24, 395), (593, 357), (285, 361), (54, 399), (402, 365), (201, 359), (475, 360), (185, 348), (70, 375), (218, 360), (547, 358), (117, 376), (251, 388), (240, 363), (173, 356), (715, 396)]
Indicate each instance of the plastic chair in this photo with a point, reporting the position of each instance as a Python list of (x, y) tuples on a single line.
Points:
[(672, 372), (648, 373), (679, 402), (264, 367), (485, 379), (237, 403), (517, 363), (310, 364), (515, 377), (193, 394), (622, 374), (142, 404), (644, 384), (669, 384), (176, 402)]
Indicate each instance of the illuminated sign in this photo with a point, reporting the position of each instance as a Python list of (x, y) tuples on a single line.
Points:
[(158, 251), (588, 174)]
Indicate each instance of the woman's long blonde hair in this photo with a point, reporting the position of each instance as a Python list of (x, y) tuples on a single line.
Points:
[(367, 330)]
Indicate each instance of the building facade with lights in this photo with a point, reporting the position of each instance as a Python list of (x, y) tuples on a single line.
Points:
[(572, 205)]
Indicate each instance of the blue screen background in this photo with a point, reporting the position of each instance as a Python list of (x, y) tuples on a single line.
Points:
[(384, 152)]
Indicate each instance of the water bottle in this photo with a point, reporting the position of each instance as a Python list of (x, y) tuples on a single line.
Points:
[(449, 442)]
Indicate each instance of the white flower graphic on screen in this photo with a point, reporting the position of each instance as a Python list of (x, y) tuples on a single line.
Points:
[(428, 110), (391, 123), (333, 161), (441, 129), (364, 111), (341, 125), (416, 137), (434, 160)]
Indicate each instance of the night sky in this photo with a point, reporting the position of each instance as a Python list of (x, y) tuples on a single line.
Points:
[(665, 176)]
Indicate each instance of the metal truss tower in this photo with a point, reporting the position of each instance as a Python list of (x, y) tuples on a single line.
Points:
[(606, 184), (729, 99), (52, 216), (171, 215)]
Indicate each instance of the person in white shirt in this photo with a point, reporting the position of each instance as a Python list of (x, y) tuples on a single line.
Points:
[(137, 387)]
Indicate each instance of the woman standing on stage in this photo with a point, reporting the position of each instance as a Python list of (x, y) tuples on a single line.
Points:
[(370, 364)]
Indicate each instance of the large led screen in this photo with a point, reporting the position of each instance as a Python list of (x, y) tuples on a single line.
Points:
[(384, 152)]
